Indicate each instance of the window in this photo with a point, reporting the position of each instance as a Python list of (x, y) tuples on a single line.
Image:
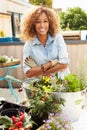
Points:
[(15, 20), (17, 24)]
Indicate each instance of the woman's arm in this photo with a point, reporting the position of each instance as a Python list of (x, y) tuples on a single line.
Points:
[(48, 69), (56, 68), (37, 71)]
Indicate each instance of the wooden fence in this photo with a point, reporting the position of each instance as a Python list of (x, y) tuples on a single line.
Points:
[(77, 51)]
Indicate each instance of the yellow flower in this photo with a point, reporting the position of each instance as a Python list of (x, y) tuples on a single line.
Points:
[(2, 33), (47, 88), (46, 79)]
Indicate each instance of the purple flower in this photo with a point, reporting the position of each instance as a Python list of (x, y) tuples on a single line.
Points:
[(54, 122)]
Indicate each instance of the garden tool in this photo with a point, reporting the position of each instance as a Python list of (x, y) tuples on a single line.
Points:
[(30, 62)]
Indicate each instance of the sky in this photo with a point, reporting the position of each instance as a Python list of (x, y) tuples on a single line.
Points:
[(64, 4)]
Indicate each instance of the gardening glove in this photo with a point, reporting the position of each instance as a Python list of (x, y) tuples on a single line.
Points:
[(54, 62), (30, 62)]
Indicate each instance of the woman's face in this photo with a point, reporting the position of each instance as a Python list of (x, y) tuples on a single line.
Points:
[(42, 24)]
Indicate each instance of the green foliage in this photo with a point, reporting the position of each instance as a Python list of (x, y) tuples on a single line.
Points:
[(42, 90), (42, 99), (47, 3), (71, 83), (6, 121), (74, 19)]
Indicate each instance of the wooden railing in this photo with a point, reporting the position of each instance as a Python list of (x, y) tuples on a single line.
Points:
[(72, 35)]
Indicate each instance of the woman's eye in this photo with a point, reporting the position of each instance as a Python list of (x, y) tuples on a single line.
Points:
[(46, 21), (37, 21)]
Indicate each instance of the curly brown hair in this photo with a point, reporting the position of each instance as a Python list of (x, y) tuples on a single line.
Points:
[(28, 22)]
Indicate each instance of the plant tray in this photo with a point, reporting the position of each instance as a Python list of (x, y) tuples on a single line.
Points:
[(10, 63), (6, 105)]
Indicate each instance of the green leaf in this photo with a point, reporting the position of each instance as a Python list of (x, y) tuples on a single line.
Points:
[(5, 120)]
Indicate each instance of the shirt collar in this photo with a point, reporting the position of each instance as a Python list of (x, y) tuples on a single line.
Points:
[(49, 40)]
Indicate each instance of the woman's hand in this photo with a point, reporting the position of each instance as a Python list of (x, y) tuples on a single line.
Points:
[(38, 71)]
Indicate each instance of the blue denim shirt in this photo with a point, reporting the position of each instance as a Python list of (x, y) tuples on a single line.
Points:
[(55, 49)]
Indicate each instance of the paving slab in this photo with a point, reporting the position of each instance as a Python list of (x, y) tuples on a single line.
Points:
[(6, 94)]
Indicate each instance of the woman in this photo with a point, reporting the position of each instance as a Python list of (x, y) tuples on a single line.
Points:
[(45, 51)]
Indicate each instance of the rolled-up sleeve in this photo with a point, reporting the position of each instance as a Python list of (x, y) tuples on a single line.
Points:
[(62, 56)]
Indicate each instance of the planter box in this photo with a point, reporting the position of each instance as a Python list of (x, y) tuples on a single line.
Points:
[(5, 105)]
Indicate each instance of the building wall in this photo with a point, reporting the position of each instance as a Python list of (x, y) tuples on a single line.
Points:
[(14, 5), (5, 24), (7, 8)]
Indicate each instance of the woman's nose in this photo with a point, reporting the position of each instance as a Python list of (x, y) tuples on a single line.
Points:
[(42, 24)]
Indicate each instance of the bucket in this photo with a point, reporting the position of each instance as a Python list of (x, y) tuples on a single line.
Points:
[(26, 88), (72, 106)]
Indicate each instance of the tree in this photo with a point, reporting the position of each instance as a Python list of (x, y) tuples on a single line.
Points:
[(73, 19), (47, 3)]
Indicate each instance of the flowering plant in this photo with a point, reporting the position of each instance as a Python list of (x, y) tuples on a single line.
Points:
[(54, 122), (41, 99), (19, 122)]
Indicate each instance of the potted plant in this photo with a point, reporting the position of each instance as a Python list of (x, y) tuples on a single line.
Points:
[(41, 100), (72, 88), (54, 122), (21, 121), (50, 94)]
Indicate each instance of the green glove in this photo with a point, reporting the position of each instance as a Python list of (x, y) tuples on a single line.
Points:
[(30, 62)]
